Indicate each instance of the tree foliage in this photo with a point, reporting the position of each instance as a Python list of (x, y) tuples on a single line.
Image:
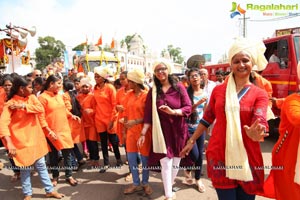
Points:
[(50, 50), (175, 53)]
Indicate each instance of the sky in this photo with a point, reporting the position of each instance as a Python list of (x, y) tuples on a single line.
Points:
[(195, 26)]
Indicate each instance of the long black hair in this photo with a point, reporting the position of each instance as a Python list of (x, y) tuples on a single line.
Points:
[(51, 79), (173, 80), (190, 91), (18, 82)]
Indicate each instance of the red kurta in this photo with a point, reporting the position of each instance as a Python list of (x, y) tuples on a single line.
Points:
[(105, 107), (88, 106), (24, 128), (284, 154), (75, 125), (55, 117), (253, 105), (135, 109)]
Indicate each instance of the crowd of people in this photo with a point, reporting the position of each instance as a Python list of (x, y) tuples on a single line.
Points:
[(165, 124)]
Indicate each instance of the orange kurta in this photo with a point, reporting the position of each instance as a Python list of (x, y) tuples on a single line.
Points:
[(135, 109), (284, 154), (24, 128), (105, 107), (121, 99), (75, 125), (2, 98), (88, 106), (55, 117)]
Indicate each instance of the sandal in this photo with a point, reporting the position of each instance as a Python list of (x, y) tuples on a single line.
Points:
[(200, 185), (54, 181), (72, 181), (55, 195), (27, 197), (128, 178), (188, 177), (15, 177)]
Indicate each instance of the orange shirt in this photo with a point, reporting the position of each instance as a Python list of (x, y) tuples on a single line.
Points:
[(284, 155), (264, 84), (75, 125), (135, 109), (24, 129), (2, 98), (105, 107), (121, 98), (88, 106), (55, 117)]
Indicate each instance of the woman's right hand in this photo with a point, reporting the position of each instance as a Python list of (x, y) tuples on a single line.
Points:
[(120, 108), (186, 150), (11, 149), (141, 141)]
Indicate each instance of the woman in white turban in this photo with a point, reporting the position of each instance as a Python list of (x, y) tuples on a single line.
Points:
[(234, 159)]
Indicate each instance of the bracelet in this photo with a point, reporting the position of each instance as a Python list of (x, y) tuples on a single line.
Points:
[(191, 141), (142, 135)]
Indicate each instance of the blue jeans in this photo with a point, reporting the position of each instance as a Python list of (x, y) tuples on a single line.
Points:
[(234, 194), (77, 153), (41, 168), (196, 154), (133, 166)]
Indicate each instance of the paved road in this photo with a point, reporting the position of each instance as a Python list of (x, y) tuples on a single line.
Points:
[(110, 185)]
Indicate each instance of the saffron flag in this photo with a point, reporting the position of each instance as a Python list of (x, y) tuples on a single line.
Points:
[(86, 41), (99, 41), (112, 44)]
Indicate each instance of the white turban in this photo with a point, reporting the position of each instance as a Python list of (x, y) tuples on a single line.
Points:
[(136, 76), (255, 49), (164, 62), (104, 72), (85, 81)]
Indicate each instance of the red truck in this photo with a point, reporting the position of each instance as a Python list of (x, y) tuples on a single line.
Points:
[(281, 74)]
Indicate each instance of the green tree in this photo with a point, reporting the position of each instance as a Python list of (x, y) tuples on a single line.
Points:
[(49, 50), (175, 53), (128, 40)]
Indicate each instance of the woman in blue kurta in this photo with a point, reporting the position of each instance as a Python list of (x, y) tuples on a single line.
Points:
[(167, 105), (234, 159)]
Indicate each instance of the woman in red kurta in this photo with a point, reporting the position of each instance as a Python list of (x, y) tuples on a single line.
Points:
[(234, 159), (55, 125), (283, 182), (25, 140), (88, 104), (106, 114)]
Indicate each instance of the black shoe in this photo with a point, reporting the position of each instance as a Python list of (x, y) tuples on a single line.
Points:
[(119, 163), (103, 168)]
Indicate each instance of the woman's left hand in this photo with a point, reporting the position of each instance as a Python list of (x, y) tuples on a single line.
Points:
[(166, 109), (74, 117), (256, 131)]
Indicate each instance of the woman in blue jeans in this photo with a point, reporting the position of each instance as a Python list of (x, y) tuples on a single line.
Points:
[(19, 116), (198, 98)]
